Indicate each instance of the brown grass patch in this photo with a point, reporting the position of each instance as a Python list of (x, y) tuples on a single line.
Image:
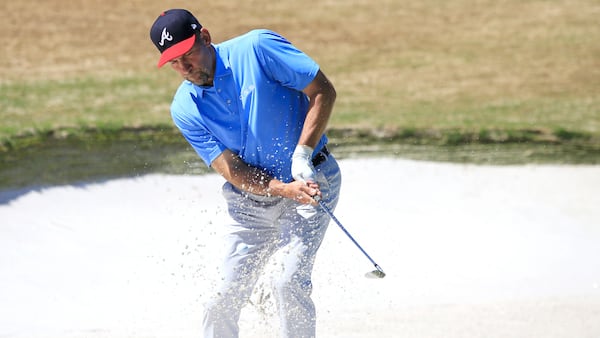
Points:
[(390, 58)]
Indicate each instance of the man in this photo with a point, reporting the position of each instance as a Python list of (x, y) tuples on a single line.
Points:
[(255, 109)]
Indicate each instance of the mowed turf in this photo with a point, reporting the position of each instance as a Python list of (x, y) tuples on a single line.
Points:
[(467, 66)]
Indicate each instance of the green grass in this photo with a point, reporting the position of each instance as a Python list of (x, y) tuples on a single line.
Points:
[(54, 108), (41, 107)]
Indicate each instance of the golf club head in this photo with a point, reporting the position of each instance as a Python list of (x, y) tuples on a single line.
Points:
[(375, 273)]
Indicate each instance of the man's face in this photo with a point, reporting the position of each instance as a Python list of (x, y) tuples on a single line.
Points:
[(197, 65)]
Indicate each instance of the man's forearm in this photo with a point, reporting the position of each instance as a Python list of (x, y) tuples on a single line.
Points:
[(256, 181), (322, 99), (240, 174)]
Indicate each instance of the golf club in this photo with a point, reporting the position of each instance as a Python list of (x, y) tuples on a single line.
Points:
[(378, 273)]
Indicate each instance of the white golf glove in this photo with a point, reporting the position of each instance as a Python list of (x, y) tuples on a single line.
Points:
[(302, 168)]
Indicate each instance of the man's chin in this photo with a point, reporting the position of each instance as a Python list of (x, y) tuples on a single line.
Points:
[(198, 82), (191, 79)]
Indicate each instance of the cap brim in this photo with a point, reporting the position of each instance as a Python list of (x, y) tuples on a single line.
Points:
[(176, 50)]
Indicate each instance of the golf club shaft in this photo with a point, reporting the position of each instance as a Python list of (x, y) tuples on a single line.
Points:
[(330, 213)]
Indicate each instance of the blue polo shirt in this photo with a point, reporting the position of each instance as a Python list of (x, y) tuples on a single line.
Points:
[(255, 107)]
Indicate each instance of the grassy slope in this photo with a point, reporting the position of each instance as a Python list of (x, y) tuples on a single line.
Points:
[(485, 69)]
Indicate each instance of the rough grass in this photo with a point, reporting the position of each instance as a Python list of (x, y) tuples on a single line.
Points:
[(453, 67)]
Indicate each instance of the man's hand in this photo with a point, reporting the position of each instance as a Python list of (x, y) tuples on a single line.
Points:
[(256, 181), (301, 192), (302, 168)]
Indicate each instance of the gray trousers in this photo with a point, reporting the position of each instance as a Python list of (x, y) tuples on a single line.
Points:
[(261, 227)]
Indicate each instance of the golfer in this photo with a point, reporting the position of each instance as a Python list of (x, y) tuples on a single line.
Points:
[(255, 109)]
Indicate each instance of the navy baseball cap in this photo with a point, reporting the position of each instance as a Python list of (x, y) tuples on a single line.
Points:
[(174, 34)]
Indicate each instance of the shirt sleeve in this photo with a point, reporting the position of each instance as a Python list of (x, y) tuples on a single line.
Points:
[(283, 62), (203, 142)]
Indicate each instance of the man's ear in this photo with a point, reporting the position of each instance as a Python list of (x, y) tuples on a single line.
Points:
[(205, 36)]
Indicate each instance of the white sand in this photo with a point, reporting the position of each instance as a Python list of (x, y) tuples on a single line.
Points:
[(470, 251)]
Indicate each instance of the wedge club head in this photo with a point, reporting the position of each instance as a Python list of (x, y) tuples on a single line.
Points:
[(375, 274)]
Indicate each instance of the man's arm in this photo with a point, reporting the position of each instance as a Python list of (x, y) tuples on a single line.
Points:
[(256, 181), (322, 97)]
